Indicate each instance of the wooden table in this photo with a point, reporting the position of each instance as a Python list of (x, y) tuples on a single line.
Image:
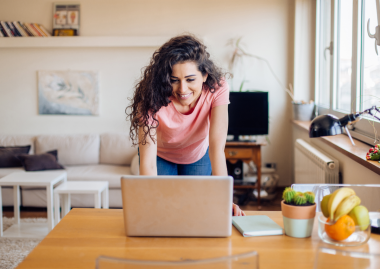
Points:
[(85, 234), (246, 152)]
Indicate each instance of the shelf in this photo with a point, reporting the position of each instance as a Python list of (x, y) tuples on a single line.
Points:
[(343, 144), (83, 41)]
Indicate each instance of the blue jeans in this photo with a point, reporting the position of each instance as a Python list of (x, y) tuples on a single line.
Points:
[(201, 167)]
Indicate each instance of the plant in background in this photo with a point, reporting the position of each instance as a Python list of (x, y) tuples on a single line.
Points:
[(291, 197), (240, 53)]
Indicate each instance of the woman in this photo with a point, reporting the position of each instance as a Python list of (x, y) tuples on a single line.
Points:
[(179, 113)]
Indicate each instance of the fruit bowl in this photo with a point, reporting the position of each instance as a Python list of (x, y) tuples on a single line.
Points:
[(357, 238)]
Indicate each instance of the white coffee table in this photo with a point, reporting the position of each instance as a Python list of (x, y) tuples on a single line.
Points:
[(45, 179), (79, 187)]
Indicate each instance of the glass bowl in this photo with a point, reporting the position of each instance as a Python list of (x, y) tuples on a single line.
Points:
[(358, 238)]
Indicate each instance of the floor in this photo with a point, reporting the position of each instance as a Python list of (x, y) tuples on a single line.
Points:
[(248, 203)]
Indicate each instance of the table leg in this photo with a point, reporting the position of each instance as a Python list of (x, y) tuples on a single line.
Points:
[(50, 213), (97, 200), (66, 204), (105, 198), (1, 214), (258, 178), (56, 208), (16, 203)]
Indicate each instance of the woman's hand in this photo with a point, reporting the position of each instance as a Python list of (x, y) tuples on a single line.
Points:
[(236, 211)]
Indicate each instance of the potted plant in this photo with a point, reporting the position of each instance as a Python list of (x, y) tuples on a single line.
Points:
[(302, 111), (298, 212)]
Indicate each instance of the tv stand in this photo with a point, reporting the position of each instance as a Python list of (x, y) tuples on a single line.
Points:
[(236, 138), (246, 151)]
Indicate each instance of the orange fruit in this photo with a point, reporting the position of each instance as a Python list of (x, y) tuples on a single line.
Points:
[(341, 229)]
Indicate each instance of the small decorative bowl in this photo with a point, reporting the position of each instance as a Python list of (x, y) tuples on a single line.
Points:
[(358, 238)]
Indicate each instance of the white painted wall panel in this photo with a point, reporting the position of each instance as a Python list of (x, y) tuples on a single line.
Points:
[(267, 27)]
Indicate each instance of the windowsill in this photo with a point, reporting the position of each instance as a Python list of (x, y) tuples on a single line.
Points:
[(343, 144)]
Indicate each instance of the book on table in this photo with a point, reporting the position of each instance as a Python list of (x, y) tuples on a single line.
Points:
[(260, 225)]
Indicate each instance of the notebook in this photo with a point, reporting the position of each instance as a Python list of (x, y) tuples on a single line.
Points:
[(183, 206), (256, 226)]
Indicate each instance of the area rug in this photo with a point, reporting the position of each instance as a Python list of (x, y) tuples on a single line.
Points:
[(13, 251)]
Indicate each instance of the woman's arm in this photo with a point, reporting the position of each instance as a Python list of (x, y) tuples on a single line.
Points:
[(148, 154), (217, 141)]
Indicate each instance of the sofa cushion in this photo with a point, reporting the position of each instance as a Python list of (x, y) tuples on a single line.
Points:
[(8, 155), (72, 149), (101, 172), (116, 148), (18, 140), (6, 171), (40, 162)]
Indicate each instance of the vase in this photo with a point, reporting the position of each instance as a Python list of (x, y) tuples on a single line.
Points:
[(303, 112), (298, 220)]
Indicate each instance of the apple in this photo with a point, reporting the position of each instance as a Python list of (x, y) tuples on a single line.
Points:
[(324, 205), (360, 216)]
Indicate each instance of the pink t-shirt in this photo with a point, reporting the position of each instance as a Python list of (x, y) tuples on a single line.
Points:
[(183, 139)]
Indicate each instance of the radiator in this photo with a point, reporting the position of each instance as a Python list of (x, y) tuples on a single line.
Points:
[(313, 166)]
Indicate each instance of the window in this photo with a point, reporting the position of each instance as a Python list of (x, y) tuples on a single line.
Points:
[(347, 66)]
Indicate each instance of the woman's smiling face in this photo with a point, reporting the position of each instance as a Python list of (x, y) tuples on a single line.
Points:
[(187, 82)]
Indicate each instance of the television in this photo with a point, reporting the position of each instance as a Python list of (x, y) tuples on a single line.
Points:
[(248, 114)]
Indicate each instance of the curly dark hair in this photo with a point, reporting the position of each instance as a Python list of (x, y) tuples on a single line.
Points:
[(154, 87)]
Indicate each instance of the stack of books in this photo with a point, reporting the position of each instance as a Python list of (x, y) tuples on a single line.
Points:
[(16, 28)]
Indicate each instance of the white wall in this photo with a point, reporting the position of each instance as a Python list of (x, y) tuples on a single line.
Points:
[(267, 27), (304, 50)]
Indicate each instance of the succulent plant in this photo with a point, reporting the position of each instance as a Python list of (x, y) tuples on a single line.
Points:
[(310, 196), (300, 198), (293, 197), (288, 195)]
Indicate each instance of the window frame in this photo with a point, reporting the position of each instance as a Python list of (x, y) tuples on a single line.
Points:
[(361, 130)]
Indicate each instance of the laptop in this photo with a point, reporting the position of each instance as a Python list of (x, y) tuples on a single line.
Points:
[(182, 206)]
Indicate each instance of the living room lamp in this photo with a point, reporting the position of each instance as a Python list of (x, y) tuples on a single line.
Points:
[(327, 125)]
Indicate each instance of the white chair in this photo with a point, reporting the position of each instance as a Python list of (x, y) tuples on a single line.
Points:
[(249, 260), (342, 259), (369, 194)]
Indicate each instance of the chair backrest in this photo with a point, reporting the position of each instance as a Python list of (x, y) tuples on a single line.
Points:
[(249, 260), (341, 259), (369, 194)]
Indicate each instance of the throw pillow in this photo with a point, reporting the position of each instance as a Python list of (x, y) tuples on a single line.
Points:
[(40, 162), (8, 155)]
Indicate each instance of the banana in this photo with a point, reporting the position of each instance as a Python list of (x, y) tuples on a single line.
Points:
[(337, 197), (346, 206), (324, 205)]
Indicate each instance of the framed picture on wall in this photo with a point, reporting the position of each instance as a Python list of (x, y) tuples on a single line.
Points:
[(66, 16), (68, 92)]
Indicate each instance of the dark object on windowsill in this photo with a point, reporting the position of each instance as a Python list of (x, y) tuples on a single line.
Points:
[(328, 125)]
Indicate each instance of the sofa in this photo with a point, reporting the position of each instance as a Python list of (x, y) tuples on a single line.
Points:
[(86, 157)]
